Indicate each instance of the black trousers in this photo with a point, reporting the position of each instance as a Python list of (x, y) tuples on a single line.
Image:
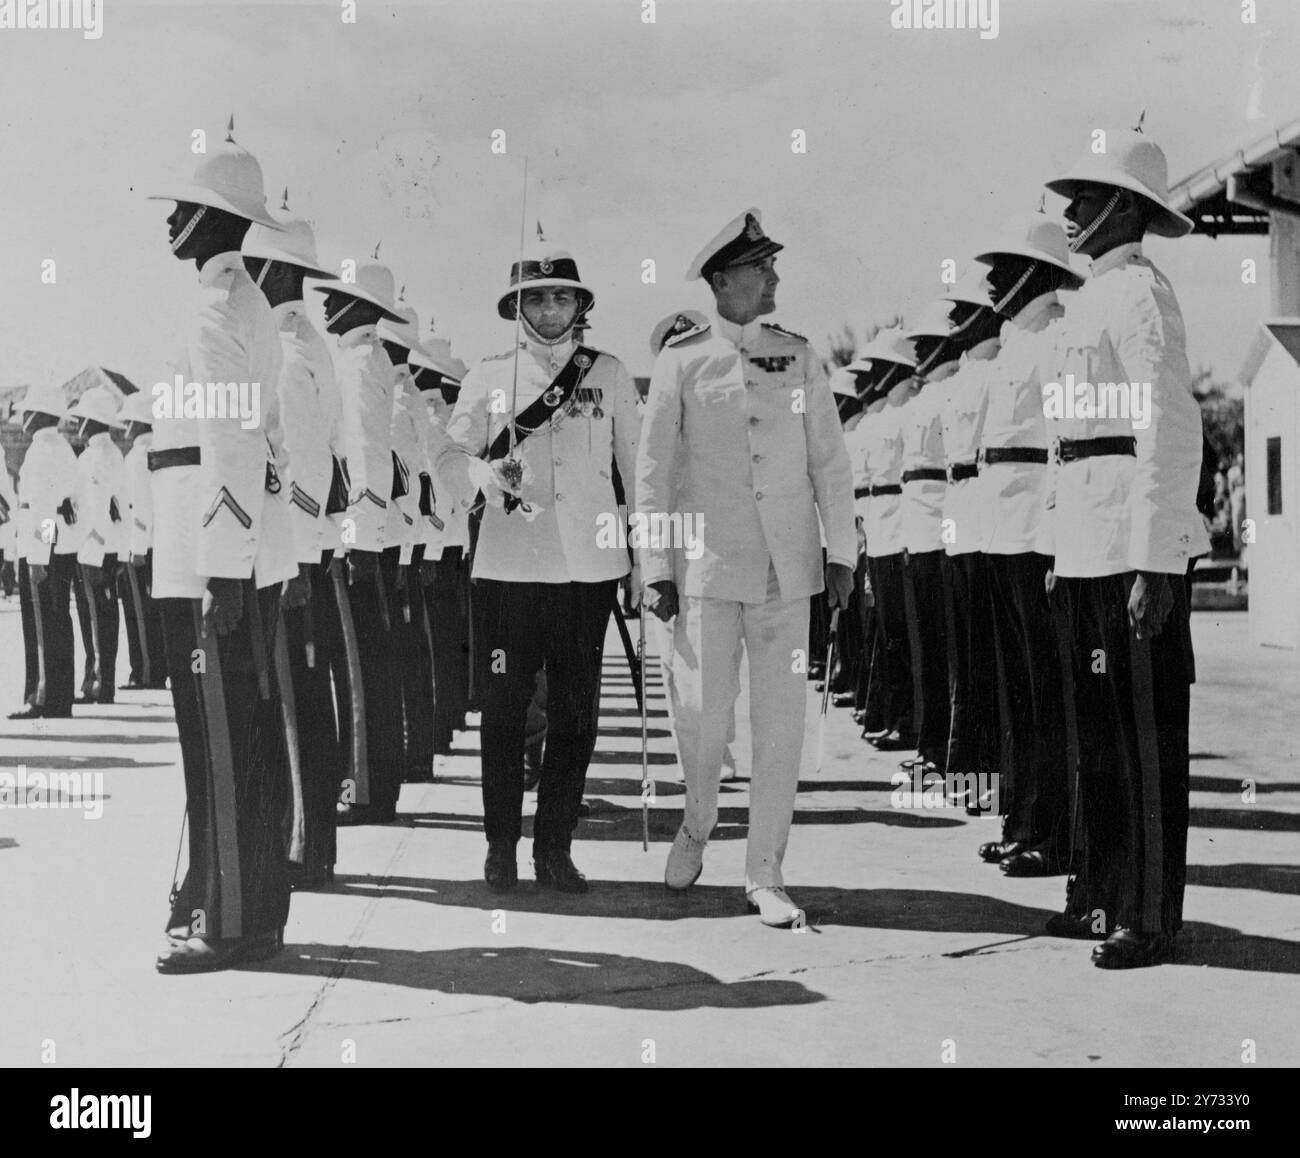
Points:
[(447, 602), (237, 786), (49, 660), (928, 635), (303, 652), (893, 654), (1032, 711), (144, 638), (339, 646), (974, 672), (414, 670), (97, 612), (520, 627), (374, 606), (819, 624), (1128, 740)]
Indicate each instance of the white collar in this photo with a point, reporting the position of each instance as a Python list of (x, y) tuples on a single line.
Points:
[(737, 335), (1114, 258), (1025, 317), (357, 335), (221, 264)]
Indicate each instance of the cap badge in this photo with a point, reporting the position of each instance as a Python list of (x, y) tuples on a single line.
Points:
[(546, 267), (753, 231)]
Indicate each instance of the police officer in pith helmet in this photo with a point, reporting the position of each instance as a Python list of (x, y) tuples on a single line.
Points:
[(548, 558)]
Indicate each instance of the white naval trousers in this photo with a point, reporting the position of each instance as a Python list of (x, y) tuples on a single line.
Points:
[(703, 684)]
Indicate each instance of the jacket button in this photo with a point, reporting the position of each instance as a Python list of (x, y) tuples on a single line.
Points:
[(758, 494), (753, 420), (755, 458), (559, 462), (559, 498)]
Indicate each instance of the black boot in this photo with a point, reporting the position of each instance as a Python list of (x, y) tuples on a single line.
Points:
[(556, 870), (500, 870)]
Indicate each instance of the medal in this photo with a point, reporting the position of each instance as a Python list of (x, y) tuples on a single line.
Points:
[(552, 397)]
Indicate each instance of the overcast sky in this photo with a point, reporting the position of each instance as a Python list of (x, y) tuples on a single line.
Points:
[(642, 141)]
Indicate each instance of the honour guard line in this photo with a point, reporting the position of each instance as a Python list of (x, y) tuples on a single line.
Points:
[(329, 582)]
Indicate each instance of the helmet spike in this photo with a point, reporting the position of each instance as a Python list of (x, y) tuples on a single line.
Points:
[(230, 129), (1141, 117), (375, 256), (284, 199)]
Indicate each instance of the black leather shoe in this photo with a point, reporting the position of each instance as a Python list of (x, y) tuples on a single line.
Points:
[(1032, 862), (27, 713), (555, 870), (500, 870), (131, 685), (348, 815), (1075, 927), (895, 742), (304, 878), (843, 699), (996, 850), (1128, 949)]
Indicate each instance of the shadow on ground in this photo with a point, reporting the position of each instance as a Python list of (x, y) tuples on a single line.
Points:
[(535, 975)]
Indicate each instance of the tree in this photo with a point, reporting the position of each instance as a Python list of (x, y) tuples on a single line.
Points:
[(1222, 415)]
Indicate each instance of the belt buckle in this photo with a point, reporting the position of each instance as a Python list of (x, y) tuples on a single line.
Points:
[(950, 469), (979, 457), (1056, 451)]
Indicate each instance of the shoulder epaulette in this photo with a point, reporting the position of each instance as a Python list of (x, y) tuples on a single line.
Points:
[(781, 330), (686, 335)]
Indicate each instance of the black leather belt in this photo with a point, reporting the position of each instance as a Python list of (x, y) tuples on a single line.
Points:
[(861, 492), (178, 456), (1073, 449), (962, 470), (996, 454), (886, 489), (926, 473)]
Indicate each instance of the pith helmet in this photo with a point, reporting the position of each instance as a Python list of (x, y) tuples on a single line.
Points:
[(543, 266), (293, 242), (1135, 162), (97, 404), (1035, 236), (229, 178), (46, 400), (373, 284)]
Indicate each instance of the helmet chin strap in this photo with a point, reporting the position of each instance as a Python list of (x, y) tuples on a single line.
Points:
[(536, 337), (332, 318), (184, 234), (1096, 222), (1000, 305), (261, 273)]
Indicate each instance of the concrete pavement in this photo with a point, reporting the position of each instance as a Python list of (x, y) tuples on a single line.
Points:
[(915, 952)]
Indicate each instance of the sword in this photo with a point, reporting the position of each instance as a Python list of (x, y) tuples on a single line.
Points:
[(646, 786), (633, 657), (826, 687), (515, 470)]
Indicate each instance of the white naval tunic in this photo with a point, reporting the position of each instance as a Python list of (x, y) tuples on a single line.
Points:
[(741, 431), (47, 477), (567, 469), (1013, 493), (1118, 513), (101, 480), (962, 408), (404, 516), (366, 385), (216, 520), (430, 412)]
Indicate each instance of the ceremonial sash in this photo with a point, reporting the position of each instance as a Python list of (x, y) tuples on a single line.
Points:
[(540, 411)]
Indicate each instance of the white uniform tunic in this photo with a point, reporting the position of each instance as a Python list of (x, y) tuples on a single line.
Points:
[(921, 422), (1013, 493), (962, 411), (741, 429), (47, 477), (309, 413), (404, 512), (366, 384), (1118, 513), (101, 479), (883, 525), (568, 476), (217, 519), (137, 537)]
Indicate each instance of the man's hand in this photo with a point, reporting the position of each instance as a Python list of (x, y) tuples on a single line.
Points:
[(362, 565), (38, 572), (492, 480), (839, 584), (1049, 581), (223, 605), (665, 603), (297, 591), (1149, 604)]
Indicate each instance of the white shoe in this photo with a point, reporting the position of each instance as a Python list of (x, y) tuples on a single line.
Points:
[(774, 907), (685, 861)]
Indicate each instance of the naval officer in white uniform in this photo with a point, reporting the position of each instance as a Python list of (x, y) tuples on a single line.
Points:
[(740, 428)]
